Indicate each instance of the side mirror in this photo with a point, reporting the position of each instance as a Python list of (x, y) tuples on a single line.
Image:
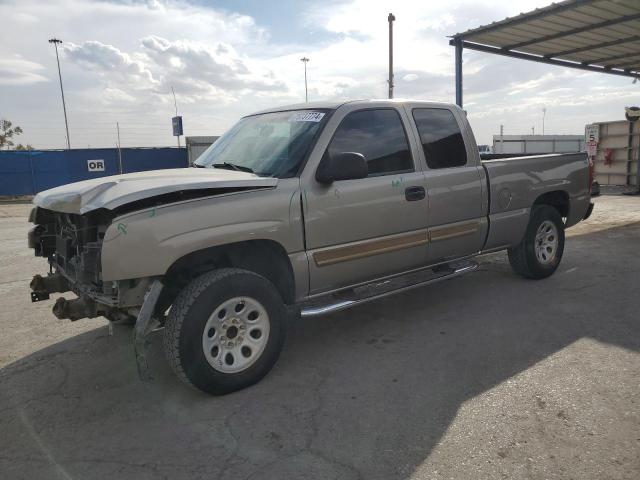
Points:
[(344, 166)]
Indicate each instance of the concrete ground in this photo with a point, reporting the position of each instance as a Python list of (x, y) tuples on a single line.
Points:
[(486, 376)]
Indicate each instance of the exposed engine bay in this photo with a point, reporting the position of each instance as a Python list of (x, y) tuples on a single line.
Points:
[(72, 244)]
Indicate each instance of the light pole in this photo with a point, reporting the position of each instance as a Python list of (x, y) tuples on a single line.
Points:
[(391, 18), (175, 104), (55, 42), (544, 113), (306, 95)]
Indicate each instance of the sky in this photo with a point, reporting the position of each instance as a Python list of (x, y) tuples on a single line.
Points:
[(226, 59)]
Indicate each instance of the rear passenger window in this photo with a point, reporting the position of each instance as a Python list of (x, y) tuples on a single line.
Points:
[(441, 138), (378, 135)]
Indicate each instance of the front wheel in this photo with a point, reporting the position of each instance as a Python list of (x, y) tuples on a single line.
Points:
[(225, 330), (540, 251)]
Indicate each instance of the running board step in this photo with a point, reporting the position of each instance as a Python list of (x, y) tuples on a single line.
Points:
[(373, 291)]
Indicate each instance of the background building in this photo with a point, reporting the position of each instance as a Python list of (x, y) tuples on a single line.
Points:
[(538, 143), (197, 145)]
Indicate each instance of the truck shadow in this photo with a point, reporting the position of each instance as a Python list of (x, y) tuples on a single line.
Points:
[(366, 393)]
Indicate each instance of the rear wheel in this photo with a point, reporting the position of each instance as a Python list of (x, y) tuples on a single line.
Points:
[(225, 330), (540, 251)]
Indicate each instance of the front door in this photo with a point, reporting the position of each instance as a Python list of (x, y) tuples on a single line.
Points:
[(361, 229)]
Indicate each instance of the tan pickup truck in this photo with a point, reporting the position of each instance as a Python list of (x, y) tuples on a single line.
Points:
[(306, 209)]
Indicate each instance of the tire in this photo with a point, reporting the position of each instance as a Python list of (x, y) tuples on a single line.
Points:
[(540, 251), (203, 324)]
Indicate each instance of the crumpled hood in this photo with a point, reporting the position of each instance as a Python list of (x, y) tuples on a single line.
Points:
[(117, 190)]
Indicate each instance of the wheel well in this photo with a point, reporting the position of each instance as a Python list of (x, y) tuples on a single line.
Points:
[(264, 257), (558, 199)]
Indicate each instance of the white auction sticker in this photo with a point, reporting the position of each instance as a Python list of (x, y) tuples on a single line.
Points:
[(306, 117)]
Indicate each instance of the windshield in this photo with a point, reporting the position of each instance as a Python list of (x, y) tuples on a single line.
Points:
[(270, 144)]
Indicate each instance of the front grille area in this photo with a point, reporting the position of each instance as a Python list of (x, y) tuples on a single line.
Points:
[(78, 243), (72, 245)]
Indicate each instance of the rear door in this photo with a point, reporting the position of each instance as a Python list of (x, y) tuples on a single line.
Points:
[(357, 230), (455, 182)]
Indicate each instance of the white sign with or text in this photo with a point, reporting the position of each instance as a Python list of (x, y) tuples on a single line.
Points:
[(592, 133), (95, 165), (592, 149)]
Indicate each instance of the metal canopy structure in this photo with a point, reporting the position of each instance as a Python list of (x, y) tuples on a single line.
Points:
[(594, 35)]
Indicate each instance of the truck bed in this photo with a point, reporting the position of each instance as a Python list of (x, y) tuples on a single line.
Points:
[(517, 183)]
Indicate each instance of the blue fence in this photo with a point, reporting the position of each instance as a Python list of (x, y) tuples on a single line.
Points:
[(30, 172)]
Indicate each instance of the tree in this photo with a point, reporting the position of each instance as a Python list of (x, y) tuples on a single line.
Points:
[(7, 132)]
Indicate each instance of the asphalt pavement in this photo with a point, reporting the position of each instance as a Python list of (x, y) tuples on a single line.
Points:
[(486, 376)]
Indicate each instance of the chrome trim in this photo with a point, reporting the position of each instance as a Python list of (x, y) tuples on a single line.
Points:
[(388, 277), (344, 304), (494, 249)]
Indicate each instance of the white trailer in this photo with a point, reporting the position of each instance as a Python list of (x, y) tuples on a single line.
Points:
[(536, 144), (197, 145), (617, 152)]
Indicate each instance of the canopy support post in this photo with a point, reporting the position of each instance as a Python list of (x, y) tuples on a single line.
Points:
[(458, 44)]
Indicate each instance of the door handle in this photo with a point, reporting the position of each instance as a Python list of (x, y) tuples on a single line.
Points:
[(413, 194)]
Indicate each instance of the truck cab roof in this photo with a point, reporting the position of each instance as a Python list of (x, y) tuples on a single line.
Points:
[(334, 105)]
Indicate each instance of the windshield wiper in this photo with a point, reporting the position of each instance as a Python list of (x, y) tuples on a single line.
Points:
[(233, 166)]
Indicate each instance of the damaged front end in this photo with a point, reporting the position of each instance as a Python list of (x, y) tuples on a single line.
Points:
[(72, 245), (77, 229)]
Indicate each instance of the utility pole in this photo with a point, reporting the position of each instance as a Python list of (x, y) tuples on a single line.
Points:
[(306, 94), (55, 42), (119, 150), (501, 138), (175, 104), (391, 18), (544, 113)]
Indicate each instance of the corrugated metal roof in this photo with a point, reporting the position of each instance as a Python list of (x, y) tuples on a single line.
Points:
[(592, 34)]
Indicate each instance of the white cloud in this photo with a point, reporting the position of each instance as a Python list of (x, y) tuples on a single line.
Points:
[(217, 65), (108, 61), (120, 60), (198, 71), (18, 71)]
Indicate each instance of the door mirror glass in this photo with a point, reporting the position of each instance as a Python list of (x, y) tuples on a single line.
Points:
[(343, 166)]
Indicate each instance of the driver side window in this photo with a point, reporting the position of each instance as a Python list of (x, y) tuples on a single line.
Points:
[(379, 136)]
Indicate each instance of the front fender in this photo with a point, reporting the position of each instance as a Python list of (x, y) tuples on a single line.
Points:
[(146, 243)]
